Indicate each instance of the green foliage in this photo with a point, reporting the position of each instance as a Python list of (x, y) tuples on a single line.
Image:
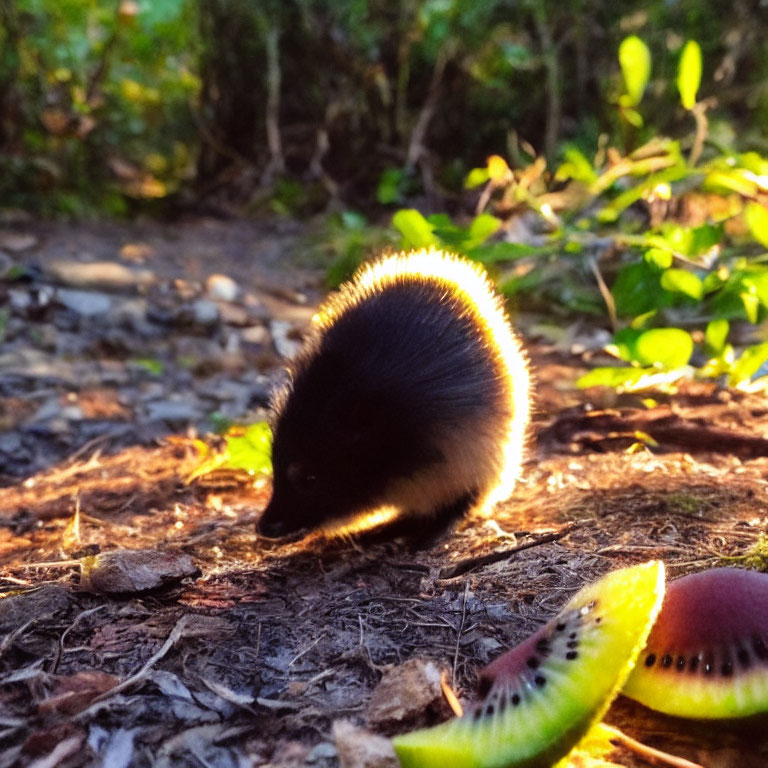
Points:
[(635, 61), (246, 449), (689, 74), (676, 287), (100, 94), (346, 240)]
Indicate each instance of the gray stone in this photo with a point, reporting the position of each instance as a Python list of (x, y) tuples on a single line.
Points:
[(85, 303), (16, 242), (205, 312), (283, 335), (10, 442), (173, 411)]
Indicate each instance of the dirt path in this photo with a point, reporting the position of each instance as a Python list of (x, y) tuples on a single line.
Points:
[(246, 654)]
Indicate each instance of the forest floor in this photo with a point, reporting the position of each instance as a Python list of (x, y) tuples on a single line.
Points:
[(196, 643)]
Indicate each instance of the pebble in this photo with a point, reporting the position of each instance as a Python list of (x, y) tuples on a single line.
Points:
[(85, 303), (205, 312), (173, 411), (16, 242), (285, 345), (221, 288)]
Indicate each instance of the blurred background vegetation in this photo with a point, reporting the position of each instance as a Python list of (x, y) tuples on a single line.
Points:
[(306, 103), (603, 158)]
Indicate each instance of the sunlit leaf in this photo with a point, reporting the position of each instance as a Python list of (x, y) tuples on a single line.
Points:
[(730, 181), (689, 74), (576, 166), (751, 305), (756, 216), (481, 228), (716, 335), (417, 232), (633, 117), (635, 62), (498, 170), (476, 177), (247, 449), (749, 363), (666, 347), (658, 256), (683, 281)]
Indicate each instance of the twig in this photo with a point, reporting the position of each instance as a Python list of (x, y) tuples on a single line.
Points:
[(139, 676), (64, 634), (610, 304), (460, 630), (653, 756), (460, 568)]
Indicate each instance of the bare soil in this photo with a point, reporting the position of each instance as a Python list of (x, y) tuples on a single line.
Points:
[(250, 657)]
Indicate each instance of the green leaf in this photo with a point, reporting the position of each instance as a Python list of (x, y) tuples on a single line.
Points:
[(683, 281), (625, 343), (495, 252), (637, 289), (417, 232), (716, 335), (476, 177), (481, 228), (576, 167), (633, 117), (614, 377), (750, 362), (635, 62), (689, 74), (659, 257), (666, 347), (353, 221), (389, 188), (249, 449), (733, 180), (756, 216)]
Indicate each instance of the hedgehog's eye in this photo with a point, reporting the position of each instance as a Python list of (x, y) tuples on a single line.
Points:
[(300, 477)]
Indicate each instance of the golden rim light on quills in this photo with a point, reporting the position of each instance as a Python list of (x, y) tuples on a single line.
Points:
[(470, 280)]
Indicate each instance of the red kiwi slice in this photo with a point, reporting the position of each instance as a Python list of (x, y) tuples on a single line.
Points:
[(540, 698), (707, 655)]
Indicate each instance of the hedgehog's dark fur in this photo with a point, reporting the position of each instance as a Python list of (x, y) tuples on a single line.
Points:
[(403, 402)]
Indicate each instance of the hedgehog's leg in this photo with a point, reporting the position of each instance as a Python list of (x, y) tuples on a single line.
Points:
[(421, 531)]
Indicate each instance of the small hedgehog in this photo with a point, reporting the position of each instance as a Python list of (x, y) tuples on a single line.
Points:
[(407, 403)]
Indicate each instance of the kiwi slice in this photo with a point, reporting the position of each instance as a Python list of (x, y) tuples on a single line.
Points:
[(707, 655), (540, 698)]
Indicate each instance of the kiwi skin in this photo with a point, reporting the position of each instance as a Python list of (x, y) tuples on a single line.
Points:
[(707, 655), (539, 699)]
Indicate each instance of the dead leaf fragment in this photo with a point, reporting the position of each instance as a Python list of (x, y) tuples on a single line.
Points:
[(359, 748), (409, 693), (73, 693), (137, 570)]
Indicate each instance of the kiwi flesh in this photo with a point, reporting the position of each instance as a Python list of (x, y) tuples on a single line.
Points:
[(539, 699), (707, 655)]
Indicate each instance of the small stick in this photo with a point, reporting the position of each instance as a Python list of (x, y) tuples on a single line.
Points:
[(460, 630), (460, 568), (653, 756)]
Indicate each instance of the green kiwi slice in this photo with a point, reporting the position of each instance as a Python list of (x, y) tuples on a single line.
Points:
[(707, 655), (540, 698)]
